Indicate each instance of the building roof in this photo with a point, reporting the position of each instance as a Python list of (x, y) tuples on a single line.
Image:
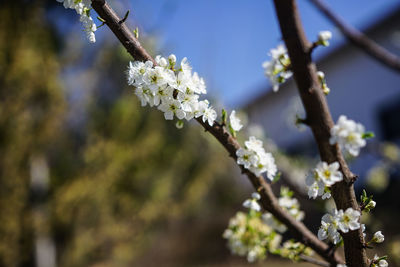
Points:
[(372, 30)]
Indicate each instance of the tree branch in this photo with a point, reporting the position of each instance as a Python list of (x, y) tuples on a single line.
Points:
[(313, 261), (320, 120), (268, 200), (359, 39)]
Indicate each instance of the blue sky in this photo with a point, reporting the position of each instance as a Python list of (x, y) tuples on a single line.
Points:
[(226, 41)]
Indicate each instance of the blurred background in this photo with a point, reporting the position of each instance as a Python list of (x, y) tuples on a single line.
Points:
[(90, 178)]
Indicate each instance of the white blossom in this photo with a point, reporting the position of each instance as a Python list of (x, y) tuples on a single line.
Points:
[(172, 107), (254, 158), (175, 91), (348, 134), (209, 115), (276, 70), (329, 227), (143, 94), (329, 174), (338, 220), (322, 177), (235, 121), (252, 202), (379, 262), (248, 236), (348, 220), (82, 7)]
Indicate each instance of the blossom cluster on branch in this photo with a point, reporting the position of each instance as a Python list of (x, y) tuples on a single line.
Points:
[(83, 7), (349, 135), (323, 176), (255, 234), (278, 68), (174, 89), (341, 220), (254, 158)]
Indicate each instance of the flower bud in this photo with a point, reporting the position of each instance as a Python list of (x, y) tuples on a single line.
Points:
[(378, 237)]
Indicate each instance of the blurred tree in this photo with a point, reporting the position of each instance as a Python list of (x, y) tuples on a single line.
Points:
[(31, 109)]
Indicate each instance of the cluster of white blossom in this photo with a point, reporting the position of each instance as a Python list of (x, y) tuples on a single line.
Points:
[(349, 135), (288, 203), (337, 221), (323, 176), (277, 69), (292, 250), (254, 158), (248, 236), (174, 89), (82, 7)]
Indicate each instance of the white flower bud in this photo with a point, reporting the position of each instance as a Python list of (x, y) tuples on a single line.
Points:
[(324, 37), (378, 237), (172, 58)]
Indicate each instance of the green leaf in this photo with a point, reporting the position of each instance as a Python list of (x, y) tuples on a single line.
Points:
[(277, 177), (136, 32), (224, 116), (233, 132), (368, 135)]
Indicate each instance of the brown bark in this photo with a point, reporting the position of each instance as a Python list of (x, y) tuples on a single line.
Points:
[(319, 119), (268, 200)]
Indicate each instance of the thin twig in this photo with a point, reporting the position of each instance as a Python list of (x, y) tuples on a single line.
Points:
[(359, 39), (314, 260), (269, 202)]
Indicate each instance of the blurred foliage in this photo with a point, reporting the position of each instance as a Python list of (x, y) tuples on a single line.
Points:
[(117, 178), (30, 111)]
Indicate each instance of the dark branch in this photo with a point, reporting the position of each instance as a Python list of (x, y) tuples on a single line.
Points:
[(268, 200), (314, 261), (319, 119), (359, 39)]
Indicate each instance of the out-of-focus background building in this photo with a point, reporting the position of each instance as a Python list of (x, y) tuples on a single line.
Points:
[(361, 88), (90, 178)]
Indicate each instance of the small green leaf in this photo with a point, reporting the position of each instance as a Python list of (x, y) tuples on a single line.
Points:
[(277, 177), (368, 135), (136, 32), (233, 132), (102, 20), (224, 116)]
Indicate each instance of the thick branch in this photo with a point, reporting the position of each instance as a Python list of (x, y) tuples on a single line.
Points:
[(320, 120), (359, 39), (268, 200)]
